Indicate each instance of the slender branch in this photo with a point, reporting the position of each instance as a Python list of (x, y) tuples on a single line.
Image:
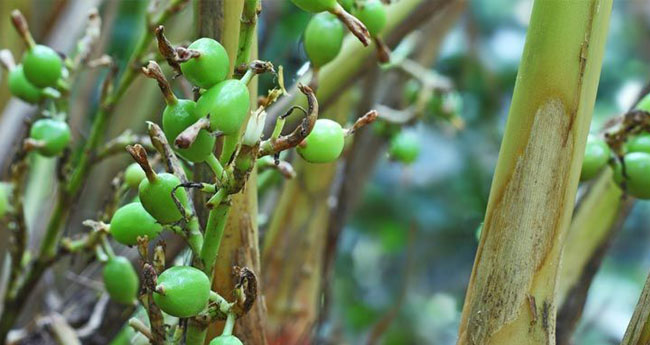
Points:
[(213, 234), (361, 122), (117, 144)]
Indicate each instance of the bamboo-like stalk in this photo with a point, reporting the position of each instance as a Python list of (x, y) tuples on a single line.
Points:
[(599, 215), (511, 297), (239, 242), (595, 215), (638, 330)]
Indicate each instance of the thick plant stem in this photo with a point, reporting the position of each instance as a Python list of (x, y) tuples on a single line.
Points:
[(221, 20), (511, 297)]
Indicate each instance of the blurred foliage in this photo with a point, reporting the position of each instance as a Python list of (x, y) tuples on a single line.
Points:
[(445, 192)]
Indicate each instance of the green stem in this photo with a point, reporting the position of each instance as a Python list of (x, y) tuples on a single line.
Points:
[(216, 166), (195, 334), (216, 199), (230, 324), (100, 254), (229, 146), (279, 125), (213, 234), (107, 248), (194, 237), (247, 31), (248, 76)]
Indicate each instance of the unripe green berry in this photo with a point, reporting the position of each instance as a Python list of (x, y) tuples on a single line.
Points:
[(597, 155), (405, 147), (176, 118), (133, 175), (227, 103), (42, 66), (120, 280), (156, 197), (211, 67), (226, 340), (372, 14), (323, 38), (324, 144), (346, 4), (316, 6), (185, 291), (22, 88), (131, 221), (54, 134), (637, 174), (638, 143)]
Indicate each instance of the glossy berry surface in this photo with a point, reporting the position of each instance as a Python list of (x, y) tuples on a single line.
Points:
[(637, 174), (54, 134), (120, 280), (346, 4), (131, 221), (186, 291), (323, 38), (42, 66), (156, 197), (211, 67), (324, 144), (372, 14), (21, 87), (227, 103), (597, 155), (133, 175), (175, 119), (226, 340), (639, 143), (405, 147), (315, 6)]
